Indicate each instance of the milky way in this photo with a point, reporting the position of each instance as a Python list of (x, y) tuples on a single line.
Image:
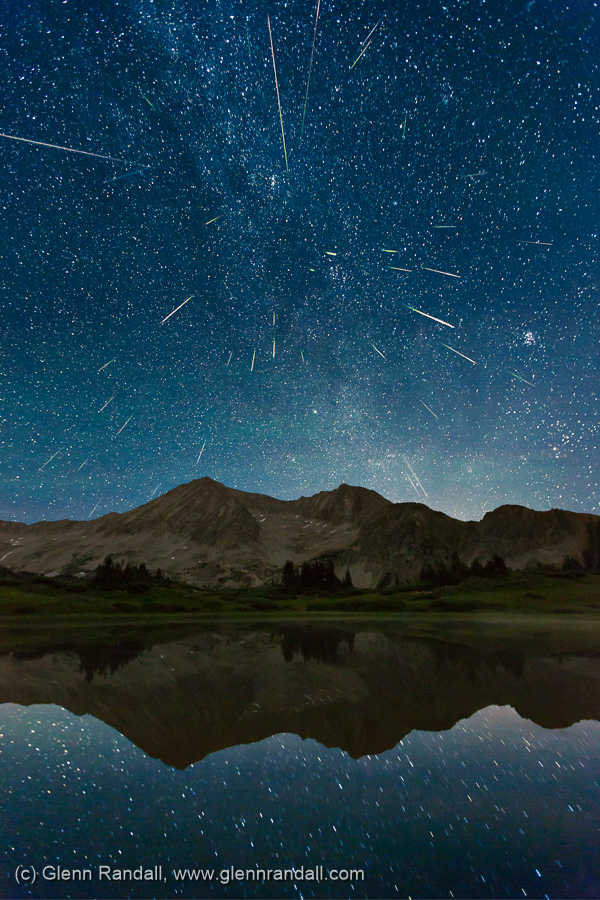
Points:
[(462, 137)]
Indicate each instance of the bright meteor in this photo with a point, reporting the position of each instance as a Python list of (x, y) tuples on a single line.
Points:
[(441, 321), (278, 101), (439, 271), (13, 137), (460, 354), (175, 310)]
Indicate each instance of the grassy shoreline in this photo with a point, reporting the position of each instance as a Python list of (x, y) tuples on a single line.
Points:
[(516, 592)]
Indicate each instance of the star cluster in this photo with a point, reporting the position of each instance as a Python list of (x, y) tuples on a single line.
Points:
[(463, 139)]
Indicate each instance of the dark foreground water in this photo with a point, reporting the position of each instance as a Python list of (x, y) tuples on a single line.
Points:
[(459, 761)]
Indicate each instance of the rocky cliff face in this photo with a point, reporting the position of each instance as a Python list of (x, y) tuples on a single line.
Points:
[(208, 534)]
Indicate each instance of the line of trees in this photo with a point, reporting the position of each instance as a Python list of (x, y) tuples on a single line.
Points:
[(118, 576), (455, 570), (315, 575)]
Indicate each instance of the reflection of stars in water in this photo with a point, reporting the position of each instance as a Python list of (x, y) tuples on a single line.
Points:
[(496, 806)]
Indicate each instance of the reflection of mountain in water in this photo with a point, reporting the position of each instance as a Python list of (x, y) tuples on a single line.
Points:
[(362, 691), (320, 644)]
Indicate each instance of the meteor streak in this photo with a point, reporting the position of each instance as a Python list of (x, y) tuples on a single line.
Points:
[(329, 253), (13, 137), (541, 243), (213, 220), (460, 354), (439, 271), (201, 452), (441, 321), (95, 508), (378, 351), (278, 101), (522, 379), (444, 226), (155, 490), (360, 54), (429, 408), (175, 310), (398, 269), (230, 355), (253, 358), (107, 402), (371, 31), (123, 426), (48, 460), (105, 365), (416, 479), (310, 68), (413, 484), (83, 464), (273, 348), (302, 355), (146, 99), (383, 250)]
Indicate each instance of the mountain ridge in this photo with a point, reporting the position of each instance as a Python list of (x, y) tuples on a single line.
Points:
[(210, 534)]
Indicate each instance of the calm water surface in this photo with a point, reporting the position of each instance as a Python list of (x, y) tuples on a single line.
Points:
[(452, 760)]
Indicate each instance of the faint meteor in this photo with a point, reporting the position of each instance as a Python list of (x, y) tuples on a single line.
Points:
[(145, 98), (105, 365), (439, 271), (277, 89), (444, 226), (372, 30), (329, 253), (123, 426), (214, 220), (48, 460), (273, 348), (459, 353), (441, 321), (429, 408), (310, 68), (230, 355), (201, 452), (253, 358), (107, 402), (514, 374), (175, 310), (414, 485), (83, 464), (95, 508), (474, 175), (414, 474), (541, 243), (155, 490), (360, 54), (126, 175), (383, 250), (302, 355), (398, 269), (378, 351), (13, 137)]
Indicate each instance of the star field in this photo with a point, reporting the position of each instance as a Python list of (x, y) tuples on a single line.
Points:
[(464, 139), (494, 807)]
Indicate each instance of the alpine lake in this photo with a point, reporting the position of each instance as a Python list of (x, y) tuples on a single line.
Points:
[(392, 756)]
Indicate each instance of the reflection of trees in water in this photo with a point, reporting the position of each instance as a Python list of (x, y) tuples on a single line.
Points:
[(105, 660), (320, 644)]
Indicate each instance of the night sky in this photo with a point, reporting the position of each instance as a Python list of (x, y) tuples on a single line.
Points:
[(464, 139)]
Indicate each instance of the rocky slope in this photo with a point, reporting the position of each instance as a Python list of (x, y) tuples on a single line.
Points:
[(208, 534)]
